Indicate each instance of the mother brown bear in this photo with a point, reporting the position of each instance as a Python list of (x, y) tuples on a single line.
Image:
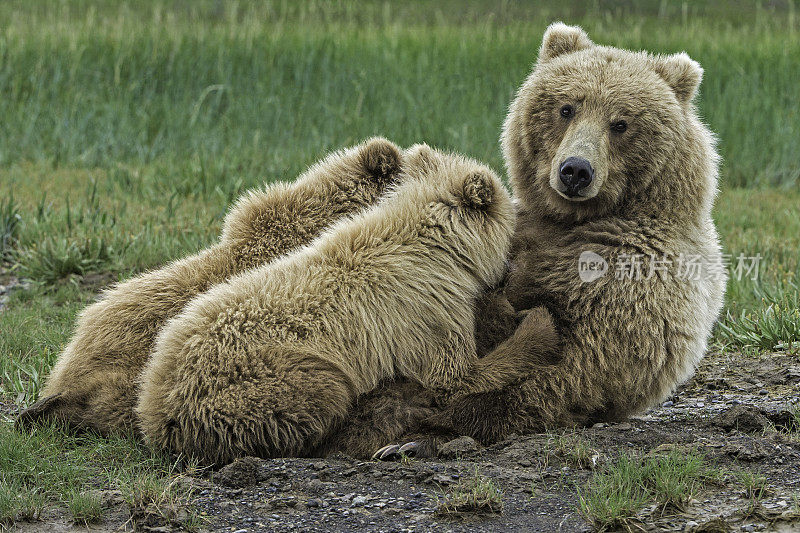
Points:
[(615, 177)]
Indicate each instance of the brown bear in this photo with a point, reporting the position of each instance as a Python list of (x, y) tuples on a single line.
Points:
[(615, 176), (93, 382), (266, 363)]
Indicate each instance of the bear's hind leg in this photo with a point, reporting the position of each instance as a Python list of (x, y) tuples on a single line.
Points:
[(282, 405)]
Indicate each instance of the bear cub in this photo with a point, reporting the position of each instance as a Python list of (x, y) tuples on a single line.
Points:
[(93, 384), (267, 363)]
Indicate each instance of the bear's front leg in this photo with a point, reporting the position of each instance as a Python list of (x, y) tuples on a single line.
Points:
[(485, 405), (534, 344), (495, 320)]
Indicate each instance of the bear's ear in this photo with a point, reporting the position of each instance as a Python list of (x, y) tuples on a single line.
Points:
[(561, 39), (682, 74), (420, 156), (478, 190)]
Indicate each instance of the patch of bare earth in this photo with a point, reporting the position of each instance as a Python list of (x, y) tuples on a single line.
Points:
[(736, 412)]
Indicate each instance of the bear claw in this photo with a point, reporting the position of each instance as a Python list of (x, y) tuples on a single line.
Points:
[(394, 451), (409, 448), (386, 453)]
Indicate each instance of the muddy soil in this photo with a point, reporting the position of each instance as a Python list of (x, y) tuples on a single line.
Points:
[(736, 411)]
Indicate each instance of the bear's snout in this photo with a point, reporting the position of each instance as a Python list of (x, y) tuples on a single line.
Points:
[(575, 173)]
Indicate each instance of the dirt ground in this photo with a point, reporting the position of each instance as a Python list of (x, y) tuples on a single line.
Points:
[(735, 411)]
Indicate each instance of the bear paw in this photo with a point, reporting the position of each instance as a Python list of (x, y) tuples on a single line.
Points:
[(392, 452)]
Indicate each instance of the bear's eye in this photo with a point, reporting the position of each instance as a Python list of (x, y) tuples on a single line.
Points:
[(567, 111), (619, 126)]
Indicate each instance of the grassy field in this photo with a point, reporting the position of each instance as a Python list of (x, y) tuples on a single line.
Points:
[(127, 130)]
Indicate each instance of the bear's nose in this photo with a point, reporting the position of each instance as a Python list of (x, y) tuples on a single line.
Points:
[(575, 173)]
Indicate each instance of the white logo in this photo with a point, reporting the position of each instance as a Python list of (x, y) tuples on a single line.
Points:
[(591, 266)]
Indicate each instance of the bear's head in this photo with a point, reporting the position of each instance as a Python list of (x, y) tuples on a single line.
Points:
[(597, 130), (467, 208)]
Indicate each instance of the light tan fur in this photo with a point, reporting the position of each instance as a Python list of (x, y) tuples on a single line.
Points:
[(93, 382), (626, 343), (267, 363)]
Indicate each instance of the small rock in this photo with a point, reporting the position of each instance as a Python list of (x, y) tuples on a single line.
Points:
[(743, 418), (339, 456), (358, 501), (690, 526), (316, 485), (785, 418), (668, 403), (242, 472), (790, 375), (530, 476), (624, 426), (752, 452), (458, 448), (712, 526), (442, 479), (763, 392)]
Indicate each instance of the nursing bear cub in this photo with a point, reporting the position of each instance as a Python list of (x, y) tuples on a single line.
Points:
[(268, 362), (93, 384)]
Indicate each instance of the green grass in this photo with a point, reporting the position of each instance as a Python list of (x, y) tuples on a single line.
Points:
[(476, 494), (9, 227), (159, 497), (761, 314), (19, 502), (50, 467), (129, 127), (775, 325), (576, 450), (85, 507), (211, 92), (614, 495), (755, 485), (56, 258)]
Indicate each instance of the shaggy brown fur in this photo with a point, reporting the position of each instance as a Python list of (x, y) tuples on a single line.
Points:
[(268, 362), (627, 341), (398, 408), (93, 383)]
